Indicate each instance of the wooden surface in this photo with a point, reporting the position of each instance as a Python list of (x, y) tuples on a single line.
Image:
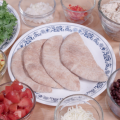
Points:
[(45, 112)]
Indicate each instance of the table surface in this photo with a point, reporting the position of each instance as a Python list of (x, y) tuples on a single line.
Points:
[(45, 112)]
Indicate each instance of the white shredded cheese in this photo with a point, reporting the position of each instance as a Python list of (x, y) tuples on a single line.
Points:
[(40, 8), (77, 113), (112, 10)]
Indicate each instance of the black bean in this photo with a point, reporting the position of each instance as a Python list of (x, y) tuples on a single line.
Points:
[(118, 101), (117, 84), (114, 84), (115, 97), (116, 89), (112, 88), (119, 104), (114, 93), (118, 80), (119, 90), (118, 96)]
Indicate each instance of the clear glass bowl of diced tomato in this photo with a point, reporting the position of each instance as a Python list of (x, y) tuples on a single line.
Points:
[(17, 101), (78, 11)]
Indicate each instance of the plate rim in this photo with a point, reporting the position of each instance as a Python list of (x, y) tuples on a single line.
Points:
[(61, 23), (18, 23)]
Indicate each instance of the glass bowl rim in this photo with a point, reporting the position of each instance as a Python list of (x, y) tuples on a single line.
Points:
[(108, 91), (100, 108), (36, 16), (32, 93), (78, 11), (99, 3), (5, 58)]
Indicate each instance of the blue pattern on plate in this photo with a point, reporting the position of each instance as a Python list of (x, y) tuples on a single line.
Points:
[(82, 31), (8, 41)]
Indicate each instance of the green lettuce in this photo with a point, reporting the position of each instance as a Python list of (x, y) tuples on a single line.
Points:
[(7, 22)]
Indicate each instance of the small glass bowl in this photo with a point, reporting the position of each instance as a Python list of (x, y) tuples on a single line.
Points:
[(78, 16), (111, 28), (2, 72), (36, 20), (111, 102), (26, 117), (86, 102)]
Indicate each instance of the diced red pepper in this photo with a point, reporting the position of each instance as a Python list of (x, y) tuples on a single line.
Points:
[(76, 16)]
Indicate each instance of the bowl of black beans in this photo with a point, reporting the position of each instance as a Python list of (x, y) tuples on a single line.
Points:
[(113, 92)]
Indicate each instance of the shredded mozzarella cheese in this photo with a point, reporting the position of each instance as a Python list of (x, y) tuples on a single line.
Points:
[(77, 113), (40, 8)]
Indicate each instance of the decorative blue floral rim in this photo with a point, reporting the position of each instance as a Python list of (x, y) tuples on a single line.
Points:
[(88, 33), (7, 42)]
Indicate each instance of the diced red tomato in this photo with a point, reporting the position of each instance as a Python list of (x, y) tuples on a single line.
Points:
[(14, 103), (27, 109), (3, 117), (6, 108), (2, 107), (1, 97), (26, 93), (12, 116), (29, 92), (25, 102), (16, 86), (13, 107), (7, 103), (13, 96), (23, 94), (20, 113), (3, 92), (20, 91), (8, 89)]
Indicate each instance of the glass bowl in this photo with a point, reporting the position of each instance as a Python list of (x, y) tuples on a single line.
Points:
[(78, 16), (32, 11), (110, 27), (86, 102), (27, 116), (111, 102), (3, 70)]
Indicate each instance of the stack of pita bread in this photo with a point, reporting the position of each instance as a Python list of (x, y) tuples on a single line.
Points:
[(56, 63)]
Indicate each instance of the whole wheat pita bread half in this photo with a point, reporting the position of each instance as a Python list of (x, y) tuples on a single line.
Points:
[(78, 59), (21, 75), (32, 64), (54, 67)]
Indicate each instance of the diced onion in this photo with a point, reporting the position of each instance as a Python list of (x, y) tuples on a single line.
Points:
[(40, 8)]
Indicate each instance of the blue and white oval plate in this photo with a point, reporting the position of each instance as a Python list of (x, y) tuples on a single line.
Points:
[(8, 42), (98, 46)]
